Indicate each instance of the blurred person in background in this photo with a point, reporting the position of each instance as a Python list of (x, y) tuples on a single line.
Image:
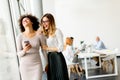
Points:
[(99, 45), (71, 56)]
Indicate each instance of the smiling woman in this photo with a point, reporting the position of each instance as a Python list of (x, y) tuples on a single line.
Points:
[(28, 46), (10, 13), (57, 68)]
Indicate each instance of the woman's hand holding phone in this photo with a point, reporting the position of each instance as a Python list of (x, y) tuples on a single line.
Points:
[(27, 46)]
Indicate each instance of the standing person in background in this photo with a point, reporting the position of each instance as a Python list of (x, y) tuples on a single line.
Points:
[(28, 45), (57, 68)]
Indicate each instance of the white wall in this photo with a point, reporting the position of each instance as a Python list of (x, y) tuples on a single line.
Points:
[(85, 19)]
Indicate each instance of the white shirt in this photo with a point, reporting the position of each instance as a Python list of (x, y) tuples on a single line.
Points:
[(99, 45), (56, 40), (68, 54)]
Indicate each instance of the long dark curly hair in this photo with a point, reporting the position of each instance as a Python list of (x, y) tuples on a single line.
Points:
[(32, 18)]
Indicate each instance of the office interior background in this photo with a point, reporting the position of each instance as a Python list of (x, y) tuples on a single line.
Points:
[(82, 19)]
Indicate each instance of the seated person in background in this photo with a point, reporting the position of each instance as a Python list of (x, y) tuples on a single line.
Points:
[(69, 53), (70, 41), (98, 46)]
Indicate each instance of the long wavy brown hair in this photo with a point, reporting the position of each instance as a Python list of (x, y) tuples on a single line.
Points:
[(52, 24)]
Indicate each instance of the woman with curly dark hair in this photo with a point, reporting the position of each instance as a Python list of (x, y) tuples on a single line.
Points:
[(28, 45)]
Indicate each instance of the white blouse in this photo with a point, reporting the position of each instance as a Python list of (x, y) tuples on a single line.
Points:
[(68, 53), (56, 40)]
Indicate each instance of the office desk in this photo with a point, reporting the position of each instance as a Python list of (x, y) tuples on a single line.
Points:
[(89, 55), (109, 54)]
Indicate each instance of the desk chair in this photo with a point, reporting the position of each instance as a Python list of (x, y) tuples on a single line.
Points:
[(108, 63)]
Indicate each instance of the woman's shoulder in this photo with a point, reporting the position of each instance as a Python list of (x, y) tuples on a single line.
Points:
[(41, 37), (58, 31), (20, 35)]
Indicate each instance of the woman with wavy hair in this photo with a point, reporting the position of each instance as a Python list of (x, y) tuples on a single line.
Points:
[(57, 68)]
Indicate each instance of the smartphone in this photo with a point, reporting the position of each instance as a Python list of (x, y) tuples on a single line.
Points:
[(26, 43)]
